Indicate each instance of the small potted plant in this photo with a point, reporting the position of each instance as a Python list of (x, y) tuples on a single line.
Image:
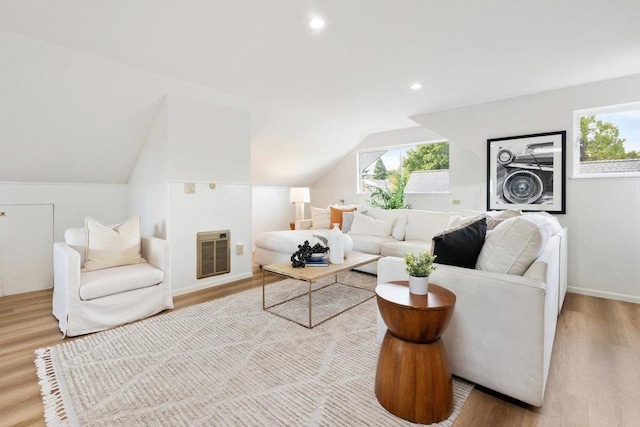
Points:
[(419, 268)]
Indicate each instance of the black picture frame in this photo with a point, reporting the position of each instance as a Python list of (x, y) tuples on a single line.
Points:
[(527, 172)]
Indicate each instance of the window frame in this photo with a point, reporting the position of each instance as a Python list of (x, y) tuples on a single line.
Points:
[(399, 147), (577, 115)]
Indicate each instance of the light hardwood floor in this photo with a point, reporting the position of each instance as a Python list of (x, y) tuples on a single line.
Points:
[(594, 378)]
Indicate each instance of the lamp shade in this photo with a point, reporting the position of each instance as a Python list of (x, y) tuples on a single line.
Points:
[(299, 195)]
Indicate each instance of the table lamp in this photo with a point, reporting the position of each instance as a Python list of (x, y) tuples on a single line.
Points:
[(299, 196)]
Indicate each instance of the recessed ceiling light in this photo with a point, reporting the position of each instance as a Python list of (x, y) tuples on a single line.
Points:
[(317, 23), (416, 86)]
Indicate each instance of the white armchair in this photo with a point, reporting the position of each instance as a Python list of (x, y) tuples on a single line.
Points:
[(85, 302)]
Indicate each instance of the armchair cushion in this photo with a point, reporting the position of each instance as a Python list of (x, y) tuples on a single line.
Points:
[(112, 245), (100, 283)]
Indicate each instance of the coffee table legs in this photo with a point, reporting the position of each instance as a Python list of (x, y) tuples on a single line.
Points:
[(310, 325), (413, 381)]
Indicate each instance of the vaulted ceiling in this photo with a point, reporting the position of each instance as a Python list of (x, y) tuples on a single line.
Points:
[(313, 95)]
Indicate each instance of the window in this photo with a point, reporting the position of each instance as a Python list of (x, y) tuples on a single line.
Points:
[(607, 141), (422, 168)]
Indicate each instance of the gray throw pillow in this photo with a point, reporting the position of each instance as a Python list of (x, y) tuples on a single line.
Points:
[(347, 220)]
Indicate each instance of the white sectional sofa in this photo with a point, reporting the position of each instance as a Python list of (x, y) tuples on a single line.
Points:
[(503, 327), (410, 231), (502, 330)]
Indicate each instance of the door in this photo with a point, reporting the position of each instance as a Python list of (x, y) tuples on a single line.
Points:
[(26, 248)]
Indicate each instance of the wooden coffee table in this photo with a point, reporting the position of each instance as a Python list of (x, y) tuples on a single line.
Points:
[(313, 274), (413, 379)]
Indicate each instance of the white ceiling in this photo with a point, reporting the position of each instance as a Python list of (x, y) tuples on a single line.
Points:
[(352, 78)]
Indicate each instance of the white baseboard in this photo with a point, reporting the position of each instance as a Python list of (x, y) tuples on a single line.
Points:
[(211, 283), (603, 294)]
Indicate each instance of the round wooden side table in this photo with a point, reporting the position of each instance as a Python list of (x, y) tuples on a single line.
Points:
[(413, 379)]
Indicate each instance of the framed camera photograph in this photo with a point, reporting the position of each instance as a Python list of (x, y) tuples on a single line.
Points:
[(527, 172)]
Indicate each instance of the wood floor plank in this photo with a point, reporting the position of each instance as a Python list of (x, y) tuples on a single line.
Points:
[(594, 379)]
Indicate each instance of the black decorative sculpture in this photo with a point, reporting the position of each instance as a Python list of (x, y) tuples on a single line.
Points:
[(300, 258)]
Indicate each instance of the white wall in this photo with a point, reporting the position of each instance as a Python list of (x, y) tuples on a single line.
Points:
[(604, 232), (71, 202), (272, 210), (73, 117), (225, 208), (148, 190), (194, 141), (208, 142), (341, 182)]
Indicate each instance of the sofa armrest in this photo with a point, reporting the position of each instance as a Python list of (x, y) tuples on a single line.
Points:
[(66, 280), (303, 224), (157, 252)]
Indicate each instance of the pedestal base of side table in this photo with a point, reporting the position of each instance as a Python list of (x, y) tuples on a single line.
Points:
[(413, 381)]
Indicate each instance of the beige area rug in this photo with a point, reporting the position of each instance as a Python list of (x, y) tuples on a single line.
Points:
[(223, 363)]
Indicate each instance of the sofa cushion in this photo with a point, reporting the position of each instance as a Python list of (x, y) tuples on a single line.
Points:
[(320, 218), (363, 224), (494, 218), (397, 216), (100, 283), (537, 271), (461, 246), (514, 244), (112, 245), (285, 241), (457, 220), (423, 225), (399, 249), (368, 243)]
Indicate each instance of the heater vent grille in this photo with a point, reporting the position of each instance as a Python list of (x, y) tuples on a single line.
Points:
[(214, 253)]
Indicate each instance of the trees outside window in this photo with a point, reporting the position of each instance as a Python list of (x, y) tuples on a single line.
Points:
[(380, 170), (607, 141), (417, 168), (426, 158)]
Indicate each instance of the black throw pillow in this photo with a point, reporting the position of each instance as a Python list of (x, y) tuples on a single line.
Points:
[(461, 246)]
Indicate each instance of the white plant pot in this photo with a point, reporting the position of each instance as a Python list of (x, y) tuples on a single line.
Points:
[(418, 285)]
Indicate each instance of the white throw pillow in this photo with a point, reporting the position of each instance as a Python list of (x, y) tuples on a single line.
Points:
[(423, 225), (112, 245), (550, 220), (363, 224), (458, 221), (320, 218), (514, 244), (494, 218), (398, 217)]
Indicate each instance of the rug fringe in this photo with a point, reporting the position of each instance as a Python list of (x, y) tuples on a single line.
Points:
[(55, 413)]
